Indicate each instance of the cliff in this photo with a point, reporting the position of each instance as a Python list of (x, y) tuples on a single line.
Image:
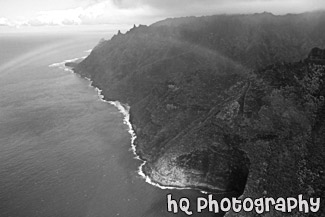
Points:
[(221, 103), (317, 56)]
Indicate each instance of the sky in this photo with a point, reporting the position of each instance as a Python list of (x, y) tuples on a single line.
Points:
[(85, 13)]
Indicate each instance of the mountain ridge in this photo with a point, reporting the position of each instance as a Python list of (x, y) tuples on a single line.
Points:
[(222, 89)]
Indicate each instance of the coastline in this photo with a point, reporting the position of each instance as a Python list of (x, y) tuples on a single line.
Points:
[(61, 65), (124, 109)]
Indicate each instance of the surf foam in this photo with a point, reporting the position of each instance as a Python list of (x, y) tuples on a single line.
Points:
[(61, 65), (125, 110)]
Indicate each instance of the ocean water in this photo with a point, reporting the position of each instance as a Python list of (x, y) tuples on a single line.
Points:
[(64, 152)]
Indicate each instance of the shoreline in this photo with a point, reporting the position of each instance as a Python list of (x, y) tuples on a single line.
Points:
[(124, 110)]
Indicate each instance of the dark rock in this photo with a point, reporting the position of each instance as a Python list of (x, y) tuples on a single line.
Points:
[(71, 64), (317, 56)]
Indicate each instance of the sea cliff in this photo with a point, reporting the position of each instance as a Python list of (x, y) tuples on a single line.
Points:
[(227, 103)]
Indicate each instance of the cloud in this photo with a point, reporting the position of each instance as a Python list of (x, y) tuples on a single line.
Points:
[(148, 11), (99, 12), (57, 17), (4, 22), (96, 12), (204, 7)]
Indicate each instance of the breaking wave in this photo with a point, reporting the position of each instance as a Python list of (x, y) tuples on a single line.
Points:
[(125, 110)]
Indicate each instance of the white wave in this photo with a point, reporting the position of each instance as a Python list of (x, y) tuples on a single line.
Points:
[(62, 64), (56, 64), (125, 110), (88, 51)]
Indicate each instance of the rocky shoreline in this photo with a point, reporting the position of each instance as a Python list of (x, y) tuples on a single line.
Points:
[(169, 175), (152, 177), (216, 110)]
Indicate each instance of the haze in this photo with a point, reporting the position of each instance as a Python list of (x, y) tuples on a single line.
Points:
[(85, 14)]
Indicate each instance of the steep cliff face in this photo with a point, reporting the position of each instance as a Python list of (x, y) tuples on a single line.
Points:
[(210, 107), (283, 133), (317, 56)]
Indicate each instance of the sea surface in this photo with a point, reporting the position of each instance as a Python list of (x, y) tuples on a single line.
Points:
[(63, 151)]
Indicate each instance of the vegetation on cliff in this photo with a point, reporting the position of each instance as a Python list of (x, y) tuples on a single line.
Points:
[(219, 100)]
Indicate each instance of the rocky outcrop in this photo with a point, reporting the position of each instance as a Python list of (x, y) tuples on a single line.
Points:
[(317, 56), (71, 64), (214, 103)]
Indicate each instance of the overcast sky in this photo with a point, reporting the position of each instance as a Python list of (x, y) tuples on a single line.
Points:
[(17, 13)]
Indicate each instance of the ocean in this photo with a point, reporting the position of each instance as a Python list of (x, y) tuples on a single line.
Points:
[(63, 151)]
